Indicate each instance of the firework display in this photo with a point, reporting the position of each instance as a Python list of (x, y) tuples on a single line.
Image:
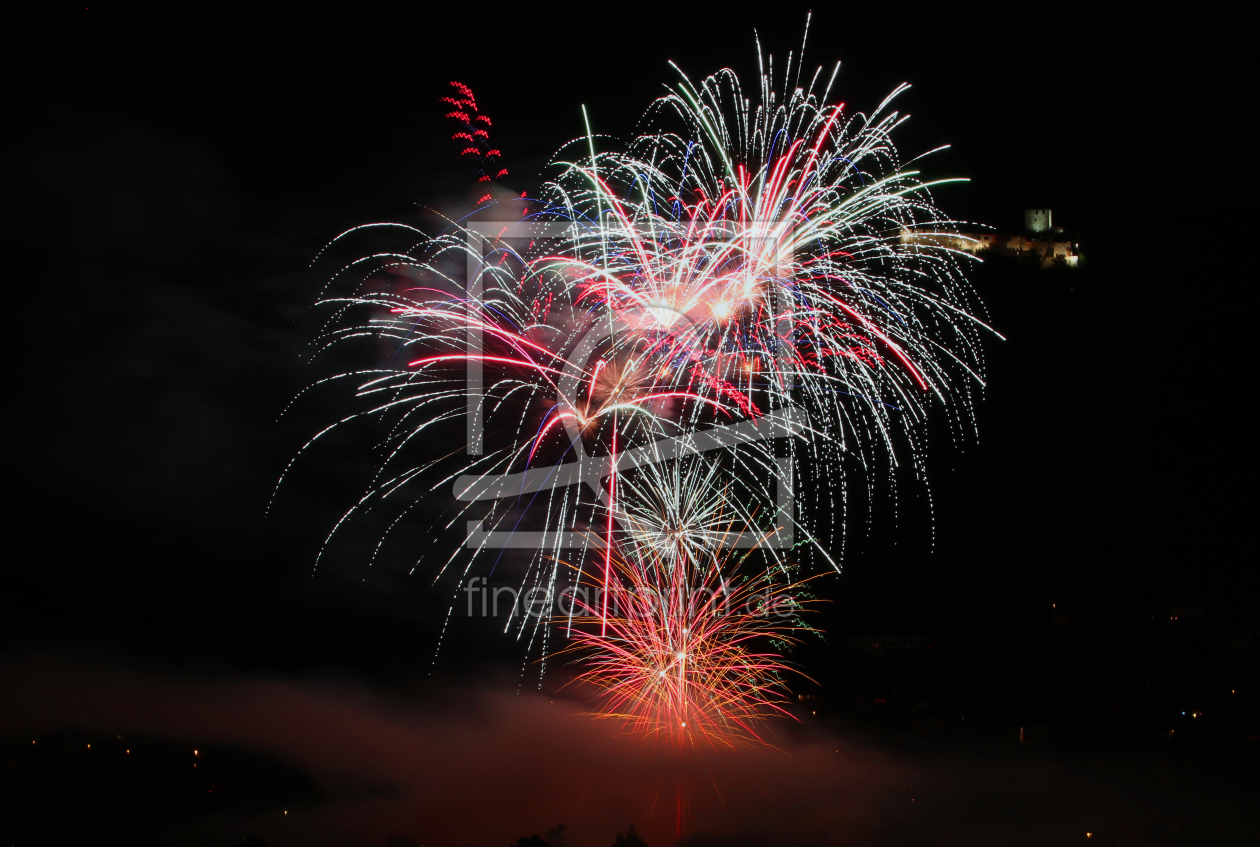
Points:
[(650, 359)]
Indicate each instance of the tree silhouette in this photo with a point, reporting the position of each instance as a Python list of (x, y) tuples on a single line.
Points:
[(531, 841), (629, 839)]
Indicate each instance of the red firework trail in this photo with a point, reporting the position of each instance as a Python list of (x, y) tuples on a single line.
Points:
[(473, 136)]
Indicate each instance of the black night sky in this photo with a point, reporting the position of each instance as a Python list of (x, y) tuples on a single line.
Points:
[(1083, 577)]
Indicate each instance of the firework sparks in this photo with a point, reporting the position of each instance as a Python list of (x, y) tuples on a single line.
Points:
[(729, 297), (690, 652)]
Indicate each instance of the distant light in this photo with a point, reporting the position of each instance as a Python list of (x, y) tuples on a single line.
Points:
[(684, 723)]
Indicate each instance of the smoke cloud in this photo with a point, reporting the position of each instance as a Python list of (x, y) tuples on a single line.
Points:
[(486, 766)]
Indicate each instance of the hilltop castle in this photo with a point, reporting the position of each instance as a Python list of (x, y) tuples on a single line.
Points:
[(1039, 237)]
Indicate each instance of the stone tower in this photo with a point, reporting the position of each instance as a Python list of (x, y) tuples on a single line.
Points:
[(1037, 220)]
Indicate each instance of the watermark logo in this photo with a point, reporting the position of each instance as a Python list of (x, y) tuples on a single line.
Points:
[(586, 470), (494, 601)]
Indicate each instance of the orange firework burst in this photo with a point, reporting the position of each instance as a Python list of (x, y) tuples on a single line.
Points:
[(688, 650)]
